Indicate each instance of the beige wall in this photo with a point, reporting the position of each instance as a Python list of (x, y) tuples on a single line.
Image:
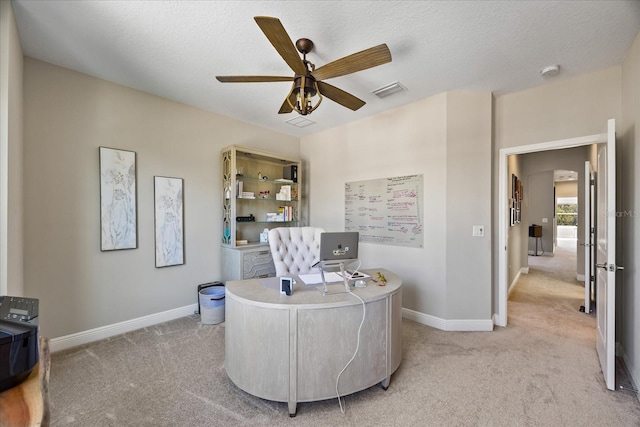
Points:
[(628, 187), (70, 115), (563, 109), (447, 138), (468, 187), (538, 188), (11, 165)]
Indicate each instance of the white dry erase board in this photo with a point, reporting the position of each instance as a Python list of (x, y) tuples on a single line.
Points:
[(387, 211)]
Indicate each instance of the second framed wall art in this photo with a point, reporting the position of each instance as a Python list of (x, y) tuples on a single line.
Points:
[(169, 220)]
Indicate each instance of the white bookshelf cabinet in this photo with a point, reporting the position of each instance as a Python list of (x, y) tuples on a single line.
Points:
[(260, 190)]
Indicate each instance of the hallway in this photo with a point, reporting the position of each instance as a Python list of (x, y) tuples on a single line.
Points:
[(548, 300), (550, 296)]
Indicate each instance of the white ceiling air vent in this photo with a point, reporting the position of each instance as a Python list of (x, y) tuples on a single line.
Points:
[(300, 122), (389, 89)]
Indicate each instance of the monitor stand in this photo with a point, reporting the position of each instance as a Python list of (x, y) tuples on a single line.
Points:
[(333, 264)]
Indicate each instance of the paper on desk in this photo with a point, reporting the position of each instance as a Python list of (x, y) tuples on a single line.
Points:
[(316, 278)]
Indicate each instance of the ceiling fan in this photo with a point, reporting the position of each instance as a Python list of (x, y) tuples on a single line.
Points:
[(308, 82)]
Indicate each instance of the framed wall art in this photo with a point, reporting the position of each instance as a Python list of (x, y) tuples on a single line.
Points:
[(169, 220), (118, 209), (515, 210)]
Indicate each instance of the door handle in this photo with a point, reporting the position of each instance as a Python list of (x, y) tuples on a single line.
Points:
[(610, 267)]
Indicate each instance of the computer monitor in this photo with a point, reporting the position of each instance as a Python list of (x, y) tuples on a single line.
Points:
[(338, 247)]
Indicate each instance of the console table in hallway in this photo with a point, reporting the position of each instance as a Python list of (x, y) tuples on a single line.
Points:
[(292, 348)]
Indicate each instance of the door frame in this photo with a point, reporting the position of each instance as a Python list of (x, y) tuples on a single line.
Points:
[(500, 317)]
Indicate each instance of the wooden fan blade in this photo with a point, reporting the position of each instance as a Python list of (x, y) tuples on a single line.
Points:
[(277, 35), (358, 61), (286, 108), (341, 97), (253, 79)]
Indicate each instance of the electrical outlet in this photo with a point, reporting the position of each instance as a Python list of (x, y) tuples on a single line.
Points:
[(478, 230), (545, 220)]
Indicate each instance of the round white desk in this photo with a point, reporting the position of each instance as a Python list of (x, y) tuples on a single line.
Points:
[(292, 348)]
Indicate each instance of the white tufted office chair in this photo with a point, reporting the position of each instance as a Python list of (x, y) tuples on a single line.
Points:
[(294, 249)]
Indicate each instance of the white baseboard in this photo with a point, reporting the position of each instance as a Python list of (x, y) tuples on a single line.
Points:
[(523, 270), (84, 337), (424, 319), (632, 371), (448, 325), (497, 320), (580, 277)]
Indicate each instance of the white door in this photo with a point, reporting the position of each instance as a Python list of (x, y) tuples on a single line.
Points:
[(606, 256), (588, 206)]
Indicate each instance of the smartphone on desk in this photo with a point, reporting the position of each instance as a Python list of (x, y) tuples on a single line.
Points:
[(286, 286)]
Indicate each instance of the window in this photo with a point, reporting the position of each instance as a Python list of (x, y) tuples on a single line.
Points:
[(567, 211)]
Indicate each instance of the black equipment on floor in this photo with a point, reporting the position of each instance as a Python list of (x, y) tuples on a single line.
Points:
[(18, 339)]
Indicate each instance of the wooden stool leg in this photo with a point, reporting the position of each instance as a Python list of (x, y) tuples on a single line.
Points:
[(27, 404), (45, 369)]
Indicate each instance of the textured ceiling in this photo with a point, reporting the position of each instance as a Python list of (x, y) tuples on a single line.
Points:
[(176, 48)]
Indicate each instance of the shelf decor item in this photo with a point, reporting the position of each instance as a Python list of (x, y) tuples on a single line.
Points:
[(169, 221), (118, 210)]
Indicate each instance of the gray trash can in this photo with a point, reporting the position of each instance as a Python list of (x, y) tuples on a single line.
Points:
[(212, 305)]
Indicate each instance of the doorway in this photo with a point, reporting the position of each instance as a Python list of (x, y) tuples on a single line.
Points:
[(567, 205), (503, 200), (605, 241)]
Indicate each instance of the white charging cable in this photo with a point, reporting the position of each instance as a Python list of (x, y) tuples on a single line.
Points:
[(364, 311), (355, 273)]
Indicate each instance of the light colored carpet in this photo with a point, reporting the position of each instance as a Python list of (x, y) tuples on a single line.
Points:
[(541, 370)]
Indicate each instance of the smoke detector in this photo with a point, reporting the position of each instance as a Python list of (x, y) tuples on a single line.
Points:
[(550, 71)]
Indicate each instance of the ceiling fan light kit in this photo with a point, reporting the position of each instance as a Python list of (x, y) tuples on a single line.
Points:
[(309, 88), (302, 93)]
